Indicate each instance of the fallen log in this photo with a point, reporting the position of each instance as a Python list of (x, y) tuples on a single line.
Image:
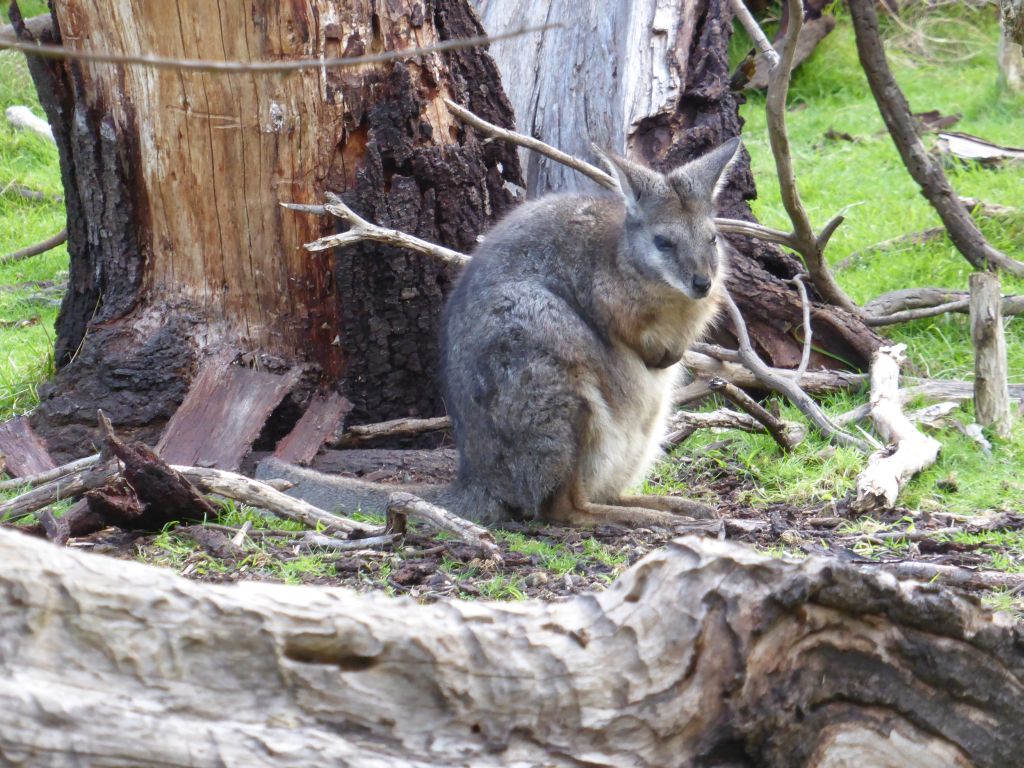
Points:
[(704, 653)]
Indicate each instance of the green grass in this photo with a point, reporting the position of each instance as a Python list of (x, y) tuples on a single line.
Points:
[(869, 180), (26, 353)]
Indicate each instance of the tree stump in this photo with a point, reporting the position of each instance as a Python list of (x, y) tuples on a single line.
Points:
[(173, 180)]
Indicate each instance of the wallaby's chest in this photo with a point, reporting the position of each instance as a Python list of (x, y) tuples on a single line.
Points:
[(626, 427)]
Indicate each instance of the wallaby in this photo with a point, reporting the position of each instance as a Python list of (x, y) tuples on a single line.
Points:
[(560, 346)]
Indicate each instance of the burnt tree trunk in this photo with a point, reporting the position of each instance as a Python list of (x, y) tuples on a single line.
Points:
[(651, 79), (702, 654), (173, 179)]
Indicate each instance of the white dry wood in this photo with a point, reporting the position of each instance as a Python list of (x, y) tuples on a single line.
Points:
[(438, 518), (259, 494), (724, 418), (909, 451), (30, 481), (361, 433), (23, 118), (702, 647), (991, 383)]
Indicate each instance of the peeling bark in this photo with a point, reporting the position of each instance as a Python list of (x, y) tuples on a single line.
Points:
[(703, 654)]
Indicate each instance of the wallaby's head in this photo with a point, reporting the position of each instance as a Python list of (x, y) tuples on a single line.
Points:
[(670, 232)]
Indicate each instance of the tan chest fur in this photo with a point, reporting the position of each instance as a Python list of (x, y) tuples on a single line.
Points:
[(627, 425)]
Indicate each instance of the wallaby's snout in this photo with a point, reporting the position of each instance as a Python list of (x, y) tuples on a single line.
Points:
[(701, 286)]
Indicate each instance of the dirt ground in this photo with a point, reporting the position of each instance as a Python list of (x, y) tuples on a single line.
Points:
[(546, 562)]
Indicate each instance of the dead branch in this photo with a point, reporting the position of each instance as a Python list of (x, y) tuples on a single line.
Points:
[(910, 451), (66, 487), (809, 245), (261, 495), (761, 41), (781, 432), (404, 505), (360, 229), (785, 385), (947, 575), (805, 355), (991, 385), (682, 424), (917, 303), (362, 433), (37, 248), (538, 146), (254, 67), (925, 170), (29, 194), (50, 474), (718, 362), (22, 118)]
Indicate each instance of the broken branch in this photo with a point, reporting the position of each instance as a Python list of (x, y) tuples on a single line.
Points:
[(888, 470), (403, 505), (779, 430)]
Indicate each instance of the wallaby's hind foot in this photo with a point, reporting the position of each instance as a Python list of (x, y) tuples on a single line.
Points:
[(633, 512), (674, 504)]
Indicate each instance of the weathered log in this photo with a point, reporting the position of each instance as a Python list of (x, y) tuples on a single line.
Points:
[(991, 385), (702, 654)]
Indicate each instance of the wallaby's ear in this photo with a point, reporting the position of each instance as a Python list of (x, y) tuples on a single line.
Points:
[(634, 182), (705, 176)]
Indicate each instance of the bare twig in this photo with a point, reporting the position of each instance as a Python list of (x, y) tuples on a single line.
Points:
[(810, 246), (925, 170), (34, 250), (50, 474), (258, 67), (588, 170), (761, 41), (403, 505), (29, 194), (785, 385), (311, 539), (360, 229), (778, 429), (805, 356), (361, 433), (888, 470)]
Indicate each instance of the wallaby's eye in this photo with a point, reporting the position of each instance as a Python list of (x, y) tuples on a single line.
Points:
[(663, 244)]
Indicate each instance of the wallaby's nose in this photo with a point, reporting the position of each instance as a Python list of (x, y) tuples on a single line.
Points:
[(701, 285)]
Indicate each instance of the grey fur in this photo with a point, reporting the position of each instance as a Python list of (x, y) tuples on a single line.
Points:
[(560, 343)]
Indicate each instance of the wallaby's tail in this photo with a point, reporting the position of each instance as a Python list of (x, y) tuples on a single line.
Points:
[(346, 495)]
